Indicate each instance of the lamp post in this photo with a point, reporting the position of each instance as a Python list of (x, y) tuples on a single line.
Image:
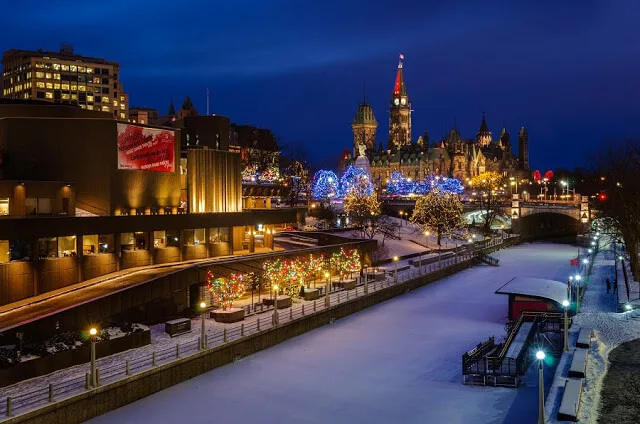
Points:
[(401, 213), (565, 303), (540, 356), (94, 380), (395, 273), (569, 293), (275, 305), (426, 244), (203, 311), (327, 300), (577, 278)]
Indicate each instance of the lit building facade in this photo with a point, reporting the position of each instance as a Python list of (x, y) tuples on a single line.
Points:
[(65, 77)]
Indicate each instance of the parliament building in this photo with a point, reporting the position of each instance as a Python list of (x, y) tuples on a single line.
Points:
[(452, 156)]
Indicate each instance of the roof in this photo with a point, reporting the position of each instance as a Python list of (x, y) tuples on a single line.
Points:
[(536, 287)]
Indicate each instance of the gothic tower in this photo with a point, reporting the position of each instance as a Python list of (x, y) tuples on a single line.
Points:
[(483, 137), (523, 149), (364, 128), (399, 114)]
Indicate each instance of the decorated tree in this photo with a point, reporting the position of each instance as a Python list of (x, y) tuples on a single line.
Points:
[(355, 179), (548, 175), (315, 264), (399, 185), (364, 211), (451, 185), (438, 212), (487, 185), (325, 184), (296, 179), (536, 176), (225, 290)]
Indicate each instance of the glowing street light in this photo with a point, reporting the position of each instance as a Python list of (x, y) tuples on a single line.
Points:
[(565, 303), (275, 306), (327, 300), (627, 307), (540, 356), (94, 377), (590, 250), (395, 274), (203, 311), (585, 261)]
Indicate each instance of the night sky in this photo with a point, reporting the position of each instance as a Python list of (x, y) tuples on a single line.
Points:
[(567, 70)]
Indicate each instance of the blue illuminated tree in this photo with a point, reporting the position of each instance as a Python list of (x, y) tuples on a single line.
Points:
[(325, 184), (355, 178), (398, 184), (450, 185)]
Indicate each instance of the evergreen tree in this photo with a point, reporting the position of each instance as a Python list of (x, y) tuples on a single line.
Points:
[(438, 212)]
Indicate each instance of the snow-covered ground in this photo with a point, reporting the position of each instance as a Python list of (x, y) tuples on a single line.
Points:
[(396, 362), (597, 311)]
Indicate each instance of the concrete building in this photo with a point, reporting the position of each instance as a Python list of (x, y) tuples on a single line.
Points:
[(65, 77), (103, 195)]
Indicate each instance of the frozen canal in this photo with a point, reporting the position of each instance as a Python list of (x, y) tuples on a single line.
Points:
[(397, 362)]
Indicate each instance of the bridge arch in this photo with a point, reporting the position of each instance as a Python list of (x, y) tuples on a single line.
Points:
[(546, 225)]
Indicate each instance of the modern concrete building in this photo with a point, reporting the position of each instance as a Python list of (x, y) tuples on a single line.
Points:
[(83, 195), (65, 77)]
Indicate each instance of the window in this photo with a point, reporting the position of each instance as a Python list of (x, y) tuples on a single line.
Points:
[(115, 103), (89, 70), (37, 205), (173, 239), (106, 243), (20, 250), (105, 71), (5, 252), (73, 68), (96, 80), (89, 107), (194, 237), (122, 106), (82, 69), (105, 99), (65, 86), (74, 87), (219, 235), (67, 246), (82, 97), (122, 115), (89, 98), (48, 95), (90, 244), (56, 77), (4, 206), (39, 84), (39, 74), (47, 247), (122, 98), (98, 99), (56, 66), (56, 86), (105, 81), (82, 88), (74, 96), (106, 108), (159, 239), (50, 86), (65, 68), (48, 75)]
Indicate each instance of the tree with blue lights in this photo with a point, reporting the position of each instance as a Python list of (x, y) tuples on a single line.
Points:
[(325, 184), (355, 179), (399, 185), (450, 185)]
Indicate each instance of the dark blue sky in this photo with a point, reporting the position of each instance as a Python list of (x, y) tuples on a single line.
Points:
[(567, 70)]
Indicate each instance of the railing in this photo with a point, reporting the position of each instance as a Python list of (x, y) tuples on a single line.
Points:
[(115, 371)]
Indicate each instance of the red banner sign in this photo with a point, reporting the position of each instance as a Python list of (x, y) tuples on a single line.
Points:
[(145, 149)]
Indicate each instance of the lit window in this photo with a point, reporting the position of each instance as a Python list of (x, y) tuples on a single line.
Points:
[(56, 66), (48, 75), (56, 86), (105, 108), (56, 77), (39, 84), (83, 106), (48, 95), (65, 86), (115, 103), (105, 99), (74, 87), (39, 74), (82, 69), (122, 107), (96, 80), (122, 98), (82, 88), (65, 96), (89, 70), (74, 97), (73, 68), (89, 107), (89, 98), (65, 68), (28, 75), (121, 115), (50, 86), (39, 65)]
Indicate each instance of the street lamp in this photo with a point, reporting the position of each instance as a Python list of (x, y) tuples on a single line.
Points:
[(401, 213), (327, 300), (590, 250), (540, 356), (577, 278), (627, 307), (94, 378), (565, 303), (203, 311), (395, 274), (275, 305)]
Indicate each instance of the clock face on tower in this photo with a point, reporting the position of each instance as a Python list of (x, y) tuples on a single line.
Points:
[(403, 101), (396, 101)]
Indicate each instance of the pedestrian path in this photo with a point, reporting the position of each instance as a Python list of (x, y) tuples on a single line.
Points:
[(596, 298)]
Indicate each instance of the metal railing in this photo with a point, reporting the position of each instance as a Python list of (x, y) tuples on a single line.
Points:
[(110, 373)]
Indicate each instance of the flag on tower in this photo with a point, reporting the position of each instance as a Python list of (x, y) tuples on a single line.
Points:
[(401, 56)]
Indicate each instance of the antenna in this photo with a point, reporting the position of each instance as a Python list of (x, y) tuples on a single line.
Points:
[(207, 101)]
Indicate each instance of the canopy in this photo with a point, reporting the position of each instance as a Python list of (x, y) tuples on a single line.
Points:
[(536, 287)]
